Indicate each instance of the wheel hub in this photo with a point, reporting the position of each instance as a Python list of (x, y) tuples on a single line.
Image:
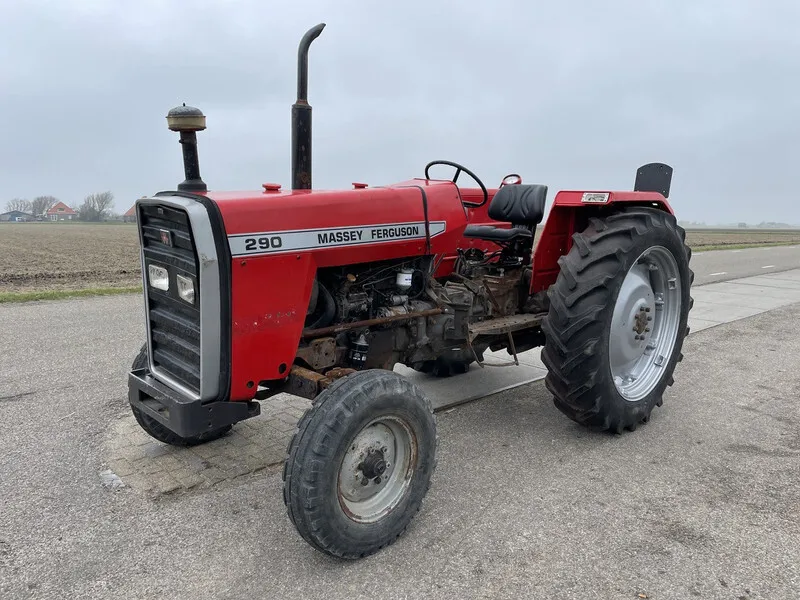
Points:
[(644, 323), (374, 465), (376, 469)]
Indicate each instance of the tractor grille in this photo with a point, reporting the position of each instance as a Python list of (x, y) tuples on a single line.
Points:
[(173, 322)]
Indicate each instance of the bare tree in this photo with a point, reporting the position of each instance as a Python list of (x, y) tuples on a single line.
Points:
[(41, 204), (96, 207), (19, 204)]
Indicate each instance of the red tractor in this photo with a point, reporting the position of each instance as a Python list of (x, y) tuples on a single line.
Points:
[(321, 293)]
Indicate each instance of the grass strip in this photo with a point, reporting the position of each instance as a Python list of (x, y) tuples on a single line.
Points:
[(61, 294)]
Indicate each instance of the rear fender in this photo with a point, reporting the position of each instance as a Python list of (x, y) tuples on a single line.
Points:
[(570, 213)]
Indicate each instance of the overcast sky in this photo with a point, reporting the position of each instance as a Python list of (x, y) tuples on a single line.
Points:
[(575, 95)]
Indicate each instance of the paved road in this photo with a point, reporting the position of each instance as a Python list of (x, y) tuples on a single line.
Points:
[(704, 501), (723, 265)]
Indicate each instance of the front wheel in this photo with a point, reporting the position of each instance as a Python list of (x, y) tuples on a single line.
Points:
[(360, 463), (617, 318)]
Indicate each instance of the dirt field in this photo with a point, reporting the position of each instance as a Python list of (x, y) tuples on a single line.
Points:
[(698, 238), (75, 256), (67, 256)]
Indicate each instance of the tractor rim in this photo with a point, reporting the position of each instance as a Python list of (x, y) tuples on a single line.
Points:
[(645, 322), (377, 469)]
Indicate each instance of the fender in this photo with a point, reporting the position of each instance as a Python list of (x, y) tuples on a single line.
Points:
[(570, 213), (572, 210)]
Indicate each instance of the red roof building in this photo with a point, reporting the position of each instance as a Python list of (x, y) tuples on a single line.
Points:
[(130, 216), (61, 212)]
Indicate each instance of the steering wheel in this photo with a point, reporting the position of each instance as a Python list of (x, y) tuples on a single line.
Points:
[(460, 168)]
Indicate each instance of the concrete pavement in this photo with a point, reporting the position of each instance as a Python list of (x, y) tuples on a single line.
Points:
[(148, 466), (704, 501), (723, 265)]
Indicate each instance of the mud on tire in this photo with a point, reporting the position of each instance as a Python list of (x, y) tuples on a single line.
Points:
[(349, 486), (583, 366), (161, 433)]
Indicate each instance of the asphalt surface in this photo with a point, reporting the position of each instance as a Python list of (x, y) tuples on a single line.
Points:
[(704, 501), (723, 265)]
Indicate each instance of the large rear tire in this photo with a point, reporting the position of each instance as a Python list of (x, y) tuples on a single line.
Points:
[(156, 430), (360, 463), (617, 318)]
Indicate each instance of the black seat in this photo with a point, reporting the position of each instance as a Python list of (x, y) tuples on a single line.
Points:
[(497, 234), (520, 205)]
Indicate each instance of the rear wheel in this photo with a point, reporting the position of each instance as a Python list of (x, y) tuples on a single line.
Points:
[(161, 433), (617, 318), (360, 463)]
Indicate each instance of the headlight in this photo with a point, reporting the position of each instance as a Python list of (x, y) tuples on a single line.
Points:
[(186, 288), (158, 277)]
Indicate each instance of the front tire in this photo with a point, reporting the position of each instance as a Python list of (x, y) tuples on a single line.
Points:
[(156, 430), (360, 463), (617, 318)]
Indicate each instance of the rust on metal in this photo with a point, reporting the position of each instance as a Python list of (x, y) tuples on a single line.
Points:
[(335, 374), (304, 382), (334, 329), (320, 353)]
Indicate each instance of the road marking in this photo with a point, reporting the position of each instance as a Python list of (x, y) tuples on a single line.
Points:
[(720, 273), (768, 267), (735, 250)]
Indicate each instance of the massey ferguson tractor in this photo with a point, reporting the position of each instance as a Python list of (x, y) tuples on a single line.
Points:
[(321, 293)]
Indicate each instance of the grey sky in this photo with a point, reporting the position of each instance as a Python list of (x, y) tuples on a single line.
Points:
[(571, 94)]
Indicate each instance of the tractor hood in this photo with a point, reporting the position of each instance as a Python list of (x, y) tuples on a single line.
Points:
[(427, 215)]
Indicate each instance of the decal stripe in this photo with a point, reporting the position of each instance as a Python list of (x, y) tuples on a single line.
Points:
[(427, 221), (275, 242)]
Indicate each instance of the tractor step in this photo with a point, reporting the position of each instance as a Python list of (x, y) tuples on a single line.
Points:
[(504, 324)]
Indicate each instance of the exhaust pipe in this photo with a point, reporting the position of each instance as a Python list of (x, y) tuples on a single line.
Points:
[(301, 116)]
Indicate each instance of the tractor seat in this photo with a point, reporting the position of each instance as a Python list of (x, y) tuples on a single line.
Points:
[(491, 233), (520, 205)]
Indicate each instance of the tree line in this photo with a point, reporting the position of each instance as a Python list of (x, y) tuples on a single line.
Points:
[(95, 207)]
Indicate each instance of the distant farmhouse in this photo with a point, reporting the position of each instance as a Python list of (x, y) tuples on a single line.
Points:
[(130, 216), (16, 216), (61, 212)]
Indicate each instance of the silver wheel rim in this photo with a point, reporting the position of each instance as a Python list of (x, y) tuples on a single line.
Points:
[(644, 325), (377, 469)]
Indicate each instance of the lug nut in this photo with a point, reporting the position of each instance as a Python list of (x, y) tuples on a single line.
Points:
[(647, 329), (649, 318), (646, 309)]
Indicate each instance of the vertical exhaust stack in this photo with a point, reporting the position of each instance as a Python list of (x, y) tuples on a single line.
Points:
[(188, 120), (301, 116)]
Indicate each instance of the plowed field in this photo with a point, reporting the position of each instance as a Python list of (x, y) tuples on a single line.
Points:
[(67, 256)]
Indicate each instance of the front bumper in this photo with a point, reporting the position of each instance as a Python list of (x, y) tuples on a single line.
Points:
[(180, 414)]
